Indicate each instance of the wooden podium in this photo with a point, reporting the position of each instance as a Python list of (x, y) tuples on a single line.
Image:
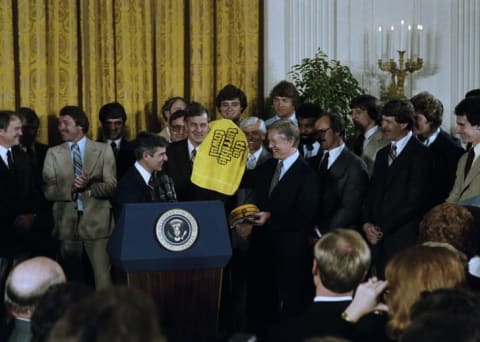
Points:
[(175, 252)]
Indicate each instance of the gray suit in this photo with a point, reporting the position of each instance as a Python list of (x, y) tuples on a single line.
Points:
[(468, 187), (374, 144)]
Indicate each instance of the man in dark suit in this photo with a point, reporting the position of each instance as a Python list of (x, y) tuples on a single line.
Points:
[(18, 200), (181, 155), (279, 251), (399, 192), (113, 118), (445, 150), (343, 177), (139, 183), (307, 114), (341, 262)]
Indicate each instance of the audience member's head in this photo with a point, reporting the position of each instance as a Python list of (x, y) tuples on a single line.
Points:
[(307, 114), (468, 119), (171, 105), (73, 123), (341, 261), (10, 128), (285, 98), (27, 283), (283, 139), (196, 123), (473, 92), (450, 223), (114, 314), (329, 130), (53, 305), (112, 116), (150, 151), (428, 114), (231, 102), (397, 119), (414, 270), (445, 315), (176, 125), (255, 131), (30, 125), (365, 112)]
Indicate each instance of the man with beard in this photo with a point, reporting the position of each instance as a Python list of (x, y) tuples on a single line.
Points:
[(306, 116), (446, 150), (369, 137), (113, 117), (343, 177)]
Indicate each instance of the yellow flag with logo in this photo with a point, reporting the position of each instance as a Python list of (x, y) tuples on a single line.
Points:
[(221, 158)]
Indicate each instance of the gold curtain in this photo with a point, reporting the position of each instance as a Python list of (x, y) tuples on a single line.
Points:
[(136, 52)]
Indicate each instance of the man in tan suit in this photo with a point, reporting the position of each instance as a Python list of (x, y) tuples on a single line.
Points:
[(80, 178), (467, 181)]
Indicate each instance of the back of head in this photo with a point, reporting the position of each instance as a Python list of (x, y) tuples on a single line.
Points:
[(115, 314), (469, 107), (452, 224), (53, 305), (473, 92), (113, 110), (428, 105), (343, 258), (401, 110), (147, 142), (30, 117), (28, 281), (414, 270), (308, 110)]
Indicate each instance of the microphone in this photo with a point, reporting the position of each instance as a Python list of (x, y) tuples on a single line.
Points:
[(166, 184)]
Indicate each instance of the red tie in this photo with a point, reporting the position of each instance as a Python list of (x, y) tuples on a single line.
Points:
[(151, 186)]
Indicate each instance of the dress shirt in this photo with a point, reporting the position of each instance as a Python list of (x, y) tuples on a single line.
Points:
[(256, 154), (191, 148), (401, 143), (368, 134), (144, 173), (432, 138), (3, 154), (314, 152), (331, 299), (334, 153), (288, 162)]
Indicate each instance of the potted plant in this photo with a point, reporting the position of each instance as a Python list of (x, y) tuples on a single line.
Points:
[(327, 83)]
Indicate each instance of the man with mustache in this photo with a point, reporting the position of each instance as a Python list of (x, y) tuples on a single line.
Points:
[(399, 191), (306, 116)]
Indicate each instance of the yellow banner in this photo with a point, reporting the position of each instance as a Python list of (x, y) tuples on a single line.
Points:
[(221, 158)]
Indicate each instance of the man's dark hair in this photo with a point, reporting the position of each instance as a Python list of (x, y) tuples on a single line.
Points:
[(336, 122), (196, 109), (308, 110), (5, 118), (368, 103), (147, 142), (428, 105), (30, 117), (53, 305), (469, 107), (113, 110), (178, 114), (473, 92), (230, 92), (285, 89), (401, 110), (78, 115), (167, 105)]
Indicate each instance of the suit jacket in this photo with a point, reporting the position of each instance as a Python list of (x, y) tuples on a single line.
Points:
[(399, 195), (245, 193), (179, 167), (445, 152), (58, 176), (18, 196), (343, 189), (465, 188), (280, 254), (21, 331), (124, 158)]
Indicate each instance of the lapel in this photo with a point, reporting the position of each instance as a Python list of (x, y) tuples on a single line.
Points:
[(339, 165), (64, 158), (290, 174), (398, 164), (264, 156), (92, 154), (472, 174)]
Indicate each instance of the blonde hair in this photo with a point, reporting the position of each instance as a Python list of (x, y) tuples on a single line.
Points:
[(414, 270)]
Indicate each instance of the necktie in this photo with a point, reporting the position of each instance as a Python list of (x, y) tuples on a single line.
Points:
[(114, 147), (323, 167), (392, 154), (308, 151), (426, 142), (468, 164), (10, 160), (151, 187), (193, 155), (276, 176), (77, 160), (251, 162)]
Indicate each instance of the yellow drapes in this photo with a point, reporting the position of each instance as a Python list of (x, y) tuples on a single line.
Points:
[(137, 52)]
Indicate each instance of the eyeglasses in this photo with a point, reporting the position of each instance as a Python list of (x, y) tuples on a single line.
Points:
[(322, 131), (177, 128)]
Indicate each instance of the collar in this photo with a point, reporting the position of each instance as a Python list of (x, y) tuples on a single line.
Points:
[(331, 299), (191, 147), (3, 153), (333, 154), (402, 142), (144, 173), (257, 153), (288, 162), (432, 138), (117, 142), (292, 118), (368, 134), (316, 147), (81, 143)]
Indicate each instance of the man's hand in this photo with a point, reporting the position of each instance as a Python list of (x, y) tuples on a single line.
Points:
[(81, 182), (261, 218), (244, 229), (374, 235)]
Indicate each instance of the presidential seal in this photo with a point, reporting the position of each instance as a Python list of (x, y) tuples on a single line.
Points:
[(176, 230)]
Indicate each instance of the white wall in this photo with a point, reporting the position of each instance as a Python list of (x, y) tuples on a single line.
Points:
[(346, 30)]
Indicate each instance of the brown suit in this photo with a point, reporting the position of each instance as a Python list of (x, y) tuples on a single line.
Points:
[(469, 187), (91, 229)]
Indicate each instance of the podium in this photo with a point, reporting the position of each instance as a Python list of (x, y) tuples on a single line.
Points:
[(175, 251)]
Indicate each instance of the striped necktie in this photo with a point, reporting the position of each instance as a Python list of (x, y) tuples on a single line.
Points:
[(276, 176), (77, 160), (392, 154)]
